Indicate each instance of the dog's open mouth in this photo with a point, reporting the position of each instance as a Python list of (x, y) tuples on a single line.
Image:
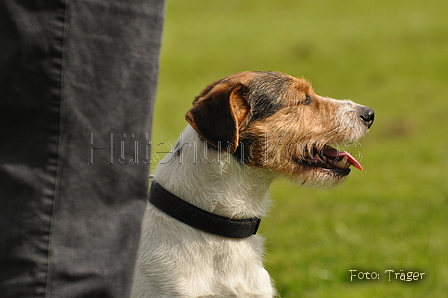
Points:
[(329, 158)]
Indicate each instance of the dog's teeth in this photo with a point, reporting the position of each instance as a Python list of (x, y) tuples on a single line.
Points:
[(343, 163), (316, 156)]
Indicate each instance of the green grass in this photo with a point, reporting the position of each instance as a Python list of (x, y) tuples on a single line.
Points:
[(389, 55)]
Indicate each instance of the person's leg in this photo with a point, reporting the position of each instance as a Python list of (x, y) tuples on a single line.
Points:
[(76, 77)]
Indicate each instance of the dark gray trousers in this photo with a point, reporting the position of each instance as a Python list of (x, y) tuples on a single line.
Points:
[(77, 87)]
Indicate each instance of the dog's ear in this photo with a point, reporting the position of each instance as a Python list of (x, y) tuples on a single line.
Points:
[(219, 113)]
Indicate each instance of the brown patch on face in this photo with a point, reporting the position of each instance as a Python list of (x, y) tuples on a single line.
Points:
[(307, 124), (300, 92)]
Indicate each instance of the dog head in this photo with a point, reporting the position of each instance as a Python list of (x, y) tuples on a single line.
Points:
[(275, 121)]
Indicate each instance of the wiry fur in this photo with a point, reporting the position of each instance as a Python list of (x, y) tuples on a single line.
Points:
[(244, 131), (284, 137)]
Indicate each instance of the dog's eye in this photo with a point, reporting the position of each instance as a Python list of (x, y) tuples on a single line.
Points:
[(307, 100)]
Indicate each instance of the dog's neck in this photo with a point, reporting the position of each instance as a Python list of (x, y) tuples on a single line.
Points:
[(213, 180)]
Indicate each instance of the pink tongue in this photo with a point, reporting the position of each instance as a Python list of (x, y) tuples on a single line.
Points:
[(350, 159)]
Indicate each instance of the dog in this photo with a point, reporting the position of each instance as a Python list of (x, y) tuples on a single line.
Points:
[(209, 193)]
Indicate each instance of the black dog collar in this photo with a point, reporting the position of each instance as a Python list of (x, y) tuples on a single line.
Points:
[(201, 219)]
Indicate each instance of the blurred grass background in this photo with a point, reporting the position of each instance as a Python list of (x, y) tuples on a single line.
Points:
[(389, 55)]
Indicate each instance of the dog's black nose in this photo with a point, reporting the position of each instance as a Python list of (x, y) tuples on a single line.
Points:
[(367, 115)]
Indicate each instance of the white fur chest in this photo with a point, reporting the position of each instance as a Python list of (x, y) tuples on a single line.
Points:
[(179, 261)]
